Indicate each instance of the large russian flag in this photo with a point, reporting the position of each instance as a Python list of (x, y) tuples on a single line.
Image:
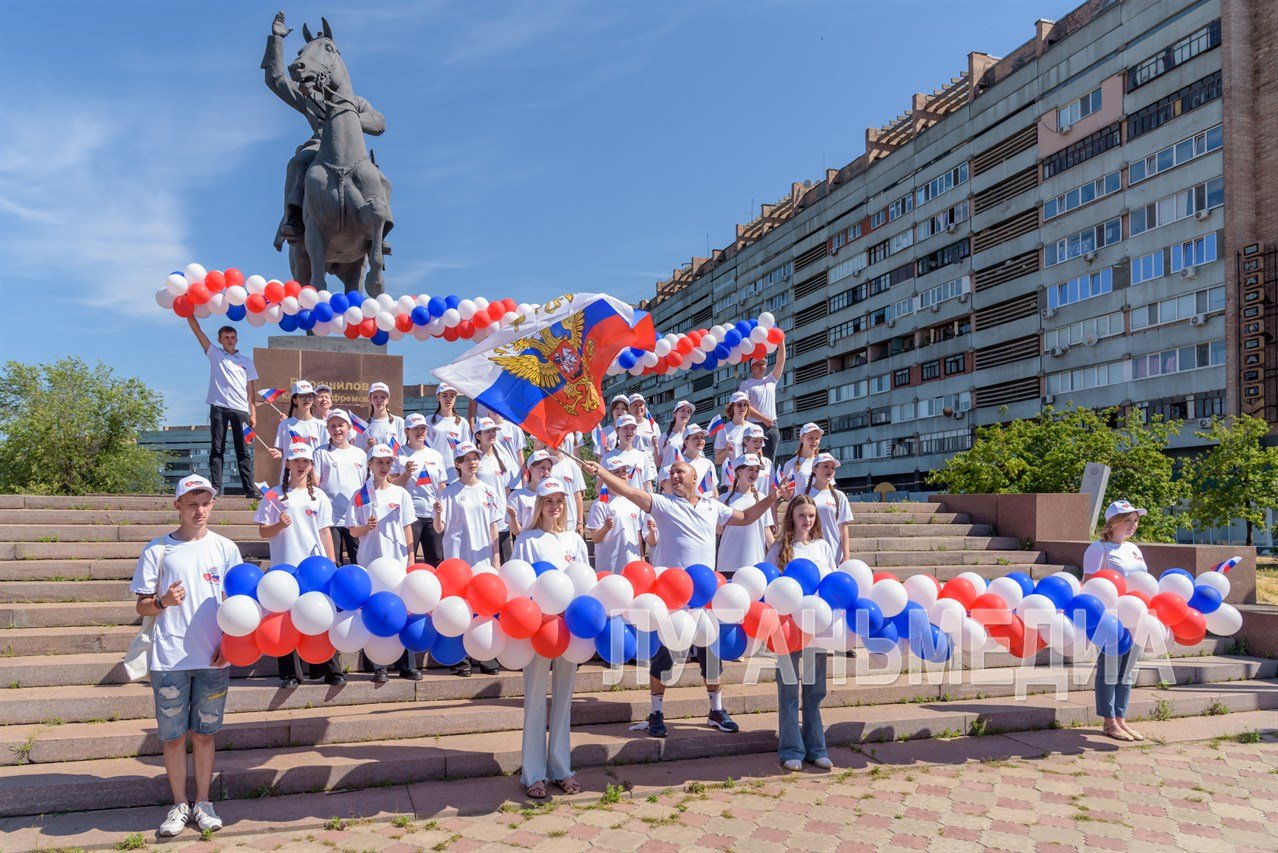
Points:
[(546, 370)]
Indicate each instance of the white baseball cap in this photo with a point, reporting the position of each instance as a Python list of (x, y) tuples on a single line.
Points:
[(340, 414), (378, 386), (664, 475), (637, 398), (539, 456), (1122, 508), (299, 451), (551, 486), (746, 460), (464, 448), (827, 457), (754, 431), (193, 483), (381, 451), (692, 430), (685, 404), (627, 420), (810, 427), (301, 386), (416, 419), (322, 387), (616, 462), (739, 397), (485, 424), (620, 398), (442, 387)]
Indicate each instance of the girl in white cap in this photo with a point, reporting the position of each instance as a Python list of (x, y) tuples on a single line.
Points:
[(510, 438), (569, 473), (752, 440), (799, 466), (300, 426), (519, 503), (639, 463), (423, 473), (382, 425), (340, 469), (447, 428), (468, 511), (745, 546), (670, 445), (323, 401), (549, 539), (498, 474), (833, 507), (299, 525), (619, 406), (647, 431), (618, 527), (694, 445), (728, 441)]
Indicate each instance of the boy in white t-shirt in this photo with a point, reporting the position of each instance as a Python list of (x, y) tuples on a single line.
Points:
[(178, 581), (643, 473), (424, 473), (341, 468), (761, 388), (230, 398), (617, 526)]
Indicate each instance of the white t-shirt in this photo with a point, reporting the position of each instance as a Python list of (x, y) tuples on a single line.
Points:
[(186, 634), (647, 434), (702, 465), (229, 376), (644, 473), (734, 433), (801, 469), (314, 431), (744, 546), (301, 539), (394, 507), (467, 513), (834, 511), (575, 482), (670, 443), (621, 545), (559, 549), (818, 552), (764, 483), (510, 440), (341, 472), (1124, 559), (380, 431), (523, 501), (490, 472), (686, 531), (440, 430), (763, 395), (424, 495)]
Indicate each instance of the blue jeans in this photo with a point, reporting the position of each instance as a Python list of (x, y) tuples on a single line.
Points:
[(190, 700), (1115, 676), (808, 677)]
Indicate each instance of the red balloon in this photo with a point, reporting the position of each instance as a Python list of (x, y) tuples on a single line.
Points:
[(421, 567), (256, 303), (520, 618), (315, 648), (466, 329), (368, 327), (240, 651), (292, 288), (884, 576), (403, 322), (1136, 593), (760, 351), (787, 638), (274, 291), (480, 321), (719, 579), (1026, 644), (1170, 609), (1008, 634), (674, 587), (454, 575), (675, 358), (662, 368), (962, 591), (1113, 577), (215, 281), (684, 345), (775, 335), (233, 277), (989, 609), (551, 639), (198, 293), (761, 620), (496, 310), (640, 575), (351, 331), (486, 593), (1191, 630), (450, 334), (276, 635), (182, 306)]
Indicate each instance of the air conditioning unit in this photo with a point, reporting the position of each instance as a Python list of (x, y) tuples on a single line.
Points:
[(1065, 128), (963, 297), (891, 324), (1189, 272), (1050, 312), (1049, 399), (949, 229), (1057, 352), (936, 306), (1204, 422), (957, 415), (1090, 339), (1198, 319), (1202, 215), (1089, 256)]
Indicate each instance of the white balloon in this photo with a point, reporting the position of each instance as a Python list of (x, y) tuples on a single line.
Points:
[(552, 592), (971, 636), (579, 650), (324, 295), (255, 284), (697, 356), (583, 578), (676, 633), (383, 651), (709, 342), (1058, 631), (1178, 585), (705, 628), (615, 593), (785, 595), (385, 302), (164, 299), (1152, 635), (758, 335), (450, 317), (662, 348), (766, 320), (451, 616), (637, 370), (976, 580), (1218, 581), (176, 284), (814, 615), (385, 321), (516, 654), (518, 575), (836, 637), (353, 315), (1130, 611), (323, 329), (387, 574), (203, 311), (313, 612), (921, 589), (860, 573), (718, 331), (466, 309), (273, 313), (1036, 610), (1225, 621), (277, 591), (239, 616), (947, 614), (649, 359), (308, 298), (753, 580), (289, 305), (405, 305), (420, 591), (1104, 590), (1008, 590), (730, 603), (194, 273), (647, 612), (483, 639), (255, 320), (1142, 582), (369, 309), (348, 633), (890, 596), (236, 295)]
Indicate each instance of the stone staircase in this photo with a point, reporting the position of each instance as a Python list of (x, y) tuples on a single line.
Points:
[(75, 736)]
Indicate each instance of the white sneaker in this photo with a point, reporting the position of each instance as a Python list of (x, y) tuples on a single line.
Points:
[(179, 817), (824, 763), (794, 765), (205, 818)]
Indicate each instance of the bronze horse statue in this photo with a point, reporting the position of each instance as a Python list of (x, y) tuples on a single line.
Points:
[(335, 191)]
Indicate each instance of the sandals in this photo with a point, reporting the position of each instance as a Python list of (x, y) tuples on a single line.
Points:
[(1117, 733), (537, 790), (1135, 735), (569, 785)]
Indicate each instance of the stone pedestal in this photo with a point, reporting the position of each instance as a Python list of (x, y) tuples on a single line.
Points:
[(347, 366)]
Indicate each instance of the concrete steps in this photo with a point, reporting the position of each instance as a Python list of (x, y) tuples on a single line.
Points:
[(891, 559), (73, 590), (99, 550), (111, 532), (102, 517), (50, 615), (119, 502)]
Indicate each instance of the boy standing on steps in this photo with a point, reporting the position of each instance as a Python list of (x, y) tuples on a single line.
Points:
[(179, 581)]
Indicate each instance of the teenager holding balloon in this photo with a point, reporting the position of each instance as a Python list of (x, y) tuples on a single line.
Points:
[(382, 424), (1115, 674), (745, 546), (423, 473), (341, 469), (686, 526), (799, 466), (617, 526), (549, 540), (801, 675), (299, 525), (833, 507)]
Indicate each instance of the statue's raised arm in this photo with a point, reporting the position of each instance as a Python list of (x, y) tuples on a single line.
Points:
[(277, 78)]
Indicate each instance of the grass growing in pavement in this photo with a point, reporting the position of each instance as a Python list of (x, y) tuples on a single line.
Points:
[(135, 841)]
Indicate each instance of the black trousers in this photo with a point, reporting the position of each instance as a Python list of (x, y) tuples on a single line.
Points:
[(343, 541), (771, 441), (220, 418), (426, 541), (289, 667)]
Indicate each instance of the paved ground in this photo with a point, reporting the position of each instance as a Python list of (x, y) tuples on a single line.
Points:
[(1198, 784)]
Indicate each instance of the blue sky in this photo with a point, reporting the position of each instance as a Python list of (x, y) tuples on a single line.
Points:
[(534, 148)]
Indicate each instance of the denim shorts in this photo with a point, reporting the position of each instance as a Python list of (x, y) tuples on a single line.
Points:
[(190, 700), (663, 662)]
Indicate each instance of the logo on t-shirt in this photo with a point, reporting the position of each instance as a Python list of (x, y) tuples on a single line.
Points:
[(213, 576), (392, 506), (311, 512)]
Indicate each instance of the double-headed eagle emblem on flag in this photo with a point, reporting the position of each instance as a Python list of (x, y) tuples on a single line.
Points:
[(556, 355)]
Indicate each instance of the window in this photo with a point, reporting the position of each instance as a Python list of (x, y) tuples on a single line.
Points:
[(1178, 360), (1087, 240), (902, 241), (851, 327), (776, 301), (1178, 206), (1084, 331), (1081, 195), (901, 377), (880, 384), (1194, 253), (877, 219), (1092, 376), (1207, 301), (1078, 289), (772, 277), (879, 417), (905, 272), (900, 207), (1083, 150), (930, 370), (850, 391), (1174, 155), (1084, 106), (936, 406), (879, 251), (902, 308), (941, 184), (1174, 54), (1178, 103), (851, 296), (947, 441), (902, 412), (951, 254), (942, 293), (955, 364), (1147, 267), (943, 221), (879, 283), (852, 265)]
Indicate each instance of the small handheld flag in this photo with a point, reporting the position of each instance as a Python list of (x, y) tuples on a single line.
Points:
[(424, 478), (603, 494), (679, 457), (270, 395), (600, 440), (395, 446), (716, 426), (453, 441), (358, 424), (249, 434), (268, 493), (1224, 567), (776, 477), (362, 497), (295, 437), (707, 482)]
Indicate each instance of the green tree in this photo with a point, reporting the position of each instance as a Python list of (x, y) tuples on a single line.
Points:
[(70, 429), (1238, 478), (1048, 454)]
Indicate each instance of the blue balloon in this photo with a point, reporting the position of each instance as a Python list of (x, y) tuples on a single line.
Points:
[(865, 619), (448, 651), (284, 567), (731, 643), (1176, 572), (242, 580), (1056, 589), (626, 360), (420, 316), (743, 328), (236, 313), (910, 622), (731, 338), (436, 306), (288, 323), (883, 640), (314, 574), (1108, 634), (721, 351), (452, 300), (585, 617), (350, 587), (617, 642), (838, 589), (770, 571), (1206, 599), (384, 614), (541, 567), (711, 362), (1089, 607), (305, 319), (323, 312), (380, 338), (647, 643), (1026, 582), (932, 645), (704, 583), (418, 634), (339, 302), (805, 573)]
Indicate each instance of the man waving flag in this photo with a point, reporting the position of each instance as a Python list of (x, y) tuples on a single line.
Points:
[(544, 371)]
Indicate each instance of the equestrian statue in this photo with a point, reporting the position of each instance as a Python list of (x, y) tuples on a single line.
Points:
[(336, 200)]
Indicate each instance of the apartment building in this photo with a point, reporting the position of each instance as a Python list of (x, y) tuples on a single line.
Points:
[(1080, 221)]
